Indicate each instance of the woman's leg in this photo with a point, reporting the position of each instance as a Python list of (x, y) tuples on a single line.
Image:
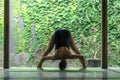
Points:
[(78, 54), (49, 48)]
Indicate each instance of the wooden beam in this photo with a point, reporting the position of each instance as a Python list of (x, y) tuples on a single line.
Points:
[(104, 34), (6, 34)]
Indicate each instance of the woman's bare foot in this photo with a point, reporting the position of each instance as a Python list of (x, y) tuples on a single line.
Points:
[(39, 68), (83, 68)]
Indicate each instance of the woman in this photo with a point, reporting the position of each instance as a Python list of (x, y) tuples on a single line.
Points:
[(62, 40)]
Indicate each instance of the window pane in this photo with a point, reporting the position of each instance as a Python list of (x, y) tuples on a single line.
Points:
[(114, 33), (1, 31), (33, 21)]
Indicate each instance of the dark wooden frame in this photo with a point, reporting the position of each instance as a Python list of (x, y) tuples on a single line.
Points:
[(6, 33), (103, 25), (104, 33)]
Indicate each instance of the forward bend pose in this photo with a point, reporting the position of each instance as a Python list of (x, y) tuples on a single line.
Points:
[(63, 41)]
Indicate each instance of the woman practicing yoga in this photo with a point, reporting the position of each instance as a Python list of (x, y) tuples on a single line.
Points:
[(63, 41)]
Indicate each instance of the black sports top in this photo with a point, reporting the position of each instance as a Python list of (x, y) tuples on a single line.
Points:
[(62, 38)]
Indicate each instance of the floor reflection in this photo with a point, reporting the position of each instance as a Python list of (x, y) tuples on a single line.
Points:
[(63, 75), (104, 75), (6, 75)]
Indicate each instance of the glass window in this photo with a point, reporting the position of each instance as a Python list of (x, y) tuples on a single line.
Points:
[(33, 21), (1, 32), (113, 33)]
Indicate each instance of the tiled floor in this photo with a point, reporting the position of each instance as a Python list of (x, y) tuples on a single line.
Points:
[(109, 74)]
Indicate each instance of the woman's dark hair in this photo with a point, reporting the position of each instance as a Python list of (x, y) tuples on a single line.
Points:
[(62, 64)]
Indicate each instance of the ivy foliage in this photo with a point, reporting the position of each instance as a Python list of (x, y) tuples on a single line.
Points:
[(1, 22), (79, 16)]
